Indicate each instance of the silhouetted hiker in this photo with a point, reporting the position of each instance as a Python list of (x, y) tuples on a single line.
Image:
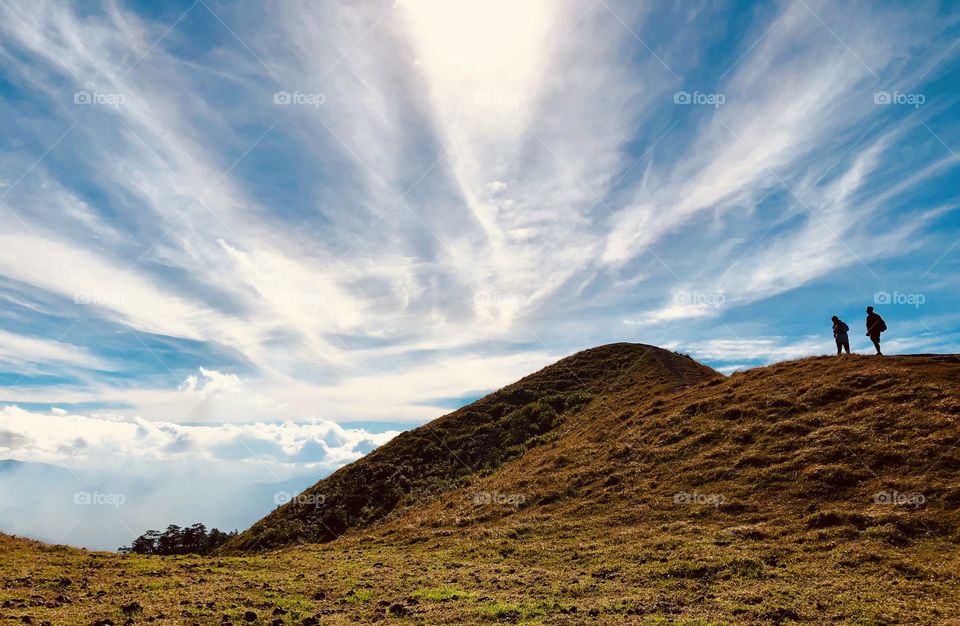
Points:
[(875, 326), (840, 329)]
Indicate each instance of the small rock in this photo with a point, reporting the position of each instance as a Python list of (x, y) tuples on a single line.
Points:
[(398, 610), (132, 608), (249, 616)]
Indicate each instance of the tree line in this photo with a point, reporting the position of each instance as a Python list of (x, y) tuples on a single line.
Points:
[(195, 539)]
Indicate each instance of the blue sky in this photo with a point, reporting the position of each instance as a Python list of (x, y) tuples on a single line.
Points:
[(367, 213)]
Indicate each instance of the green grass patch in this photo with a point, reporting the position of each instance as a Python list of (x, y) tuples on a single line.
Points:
[(359, 596), (442, 594)]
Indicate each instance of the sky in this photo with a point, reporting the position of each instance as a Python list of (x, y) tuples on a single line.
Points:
[(258, 240)]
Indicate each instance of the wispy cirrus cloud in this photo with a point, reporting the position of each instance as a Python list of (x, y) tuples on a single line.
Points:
[(439, 190)]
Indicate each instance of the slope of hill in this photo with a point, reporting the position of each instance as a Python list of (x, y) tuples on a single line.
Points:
[(828, 441), (824, 490), (472, 441)]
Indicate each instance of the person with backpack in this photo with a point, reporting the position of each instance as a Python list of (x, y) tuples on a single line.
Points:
[(875, 326), (840, 330)]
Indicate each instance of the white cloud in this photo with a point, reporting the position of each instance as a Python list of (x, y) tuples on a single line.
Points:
[(762, 349), (210, 382), (86, 279), (739, 353), (402, 395), (496, 186), (771, 120), (20, 351)]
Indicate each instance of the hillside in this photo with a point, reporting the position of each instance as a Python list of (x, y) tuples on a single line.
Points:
[(472, 441), (824, 490)]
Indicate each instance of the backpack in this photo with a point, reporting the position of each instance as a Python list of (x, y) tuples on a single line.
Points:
[(881, 325)]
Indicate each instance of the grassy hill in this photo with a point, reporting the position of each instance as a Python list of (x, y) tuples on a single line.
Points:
[(823, 490), (470, 442)]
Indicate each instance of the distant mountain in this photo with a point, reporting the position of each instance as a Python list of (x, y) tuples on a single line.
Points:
[(104, 510), (11, 466)]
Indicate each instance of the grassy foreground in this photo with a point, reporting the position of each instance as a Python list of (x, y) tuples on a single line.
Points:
[(689, 574)]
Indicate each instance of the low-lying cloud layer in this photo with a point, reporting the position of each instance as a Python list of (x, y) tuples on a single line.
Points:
[(102, 441), (100, 480)]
